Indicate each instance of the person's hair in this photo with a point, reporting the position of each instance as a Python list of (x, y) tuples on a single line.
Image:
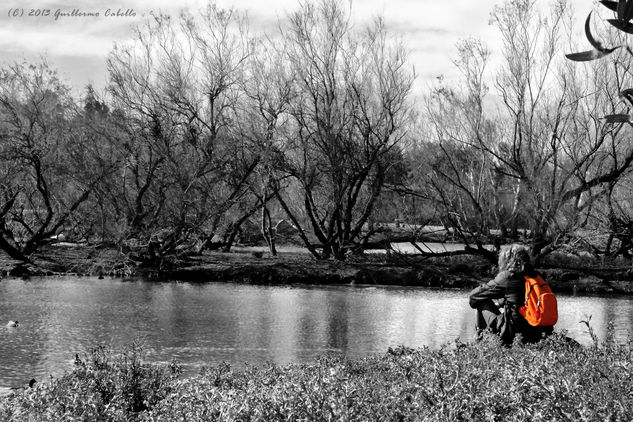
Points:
[(514, 258)]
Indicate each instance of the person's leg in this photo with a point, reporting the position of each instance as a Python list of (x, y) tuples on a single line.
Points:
[(487, 315)]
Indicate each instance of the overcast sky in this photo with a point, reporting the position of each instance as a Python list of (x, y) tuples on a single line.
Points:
[(77, 46)]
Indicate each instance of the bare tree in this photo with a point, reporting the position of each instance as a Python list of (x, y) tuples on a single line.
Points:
[(349, 109), (180, 84), (457, 175), (545, 148), (46, 159), (265, 119)]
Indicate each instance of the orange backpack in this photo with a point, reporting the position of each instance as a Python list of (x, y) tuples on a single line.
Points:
[(540, 308)]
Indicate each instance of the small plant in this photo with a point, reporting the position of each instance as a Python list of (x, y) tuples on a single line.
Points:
[(592, 333)]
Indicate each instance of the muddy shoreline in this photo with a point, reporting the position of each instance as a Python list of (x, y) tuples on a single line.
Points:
[(574, 281), (246, 265)]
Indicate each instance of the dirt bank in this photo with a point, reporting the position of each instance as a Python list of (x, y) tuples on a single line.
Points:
[(292, 266)]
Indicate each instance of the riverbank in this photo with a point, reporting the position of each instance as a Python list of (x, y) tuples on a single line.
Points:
[(293, 265), (553, 380)]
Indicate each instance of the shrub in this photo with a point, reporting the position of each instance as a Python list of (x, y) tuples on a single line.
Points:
[(106, 386), (556, 379)]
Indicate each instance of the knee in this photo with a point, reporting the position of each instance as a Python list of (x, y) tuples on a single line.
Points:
[(487, 304)]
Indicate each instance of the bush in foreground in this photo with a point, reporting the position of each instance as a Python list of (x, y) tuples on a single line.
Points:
[(553, 380), (106, 386)]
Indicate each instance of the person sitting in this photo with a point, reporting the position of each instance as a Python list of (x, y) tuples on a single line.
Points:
[(508, 288)]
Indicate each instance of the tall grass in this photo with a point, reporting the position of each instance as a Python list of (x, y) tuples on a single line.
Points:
[(553, 380)]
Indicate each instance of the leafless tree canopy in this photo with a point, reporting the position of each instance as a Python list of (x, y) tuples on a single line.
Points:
[(209, 134)]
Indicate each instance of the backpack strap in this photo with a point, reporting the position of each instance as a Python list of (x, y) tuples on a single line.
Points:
[(532, 285)]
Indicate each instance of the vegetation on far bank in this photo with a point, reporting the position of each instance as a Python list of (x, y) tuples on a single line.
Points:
[(294, 265), (553, 380)]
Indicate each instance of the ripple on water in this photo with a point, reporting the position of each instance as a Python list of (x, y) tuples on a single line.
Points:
[(204, 324)]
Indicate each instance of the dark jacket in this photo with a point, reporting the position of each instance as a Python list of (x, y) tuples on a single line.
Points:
[(505, 285)]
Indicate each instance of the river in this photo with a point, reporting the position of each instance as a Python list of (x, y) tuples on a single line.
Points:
[(204, 324)]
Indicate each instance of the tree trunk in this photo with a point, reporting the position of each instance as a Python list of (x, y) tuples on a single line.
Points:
[(267, 231)]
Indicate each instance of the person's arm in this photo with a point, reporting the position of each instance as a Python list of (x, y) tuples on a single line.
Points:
[(494, 289)]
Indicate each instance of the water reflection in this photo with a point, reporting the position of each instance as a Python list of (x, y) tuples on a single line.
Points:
[(205, 324)]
